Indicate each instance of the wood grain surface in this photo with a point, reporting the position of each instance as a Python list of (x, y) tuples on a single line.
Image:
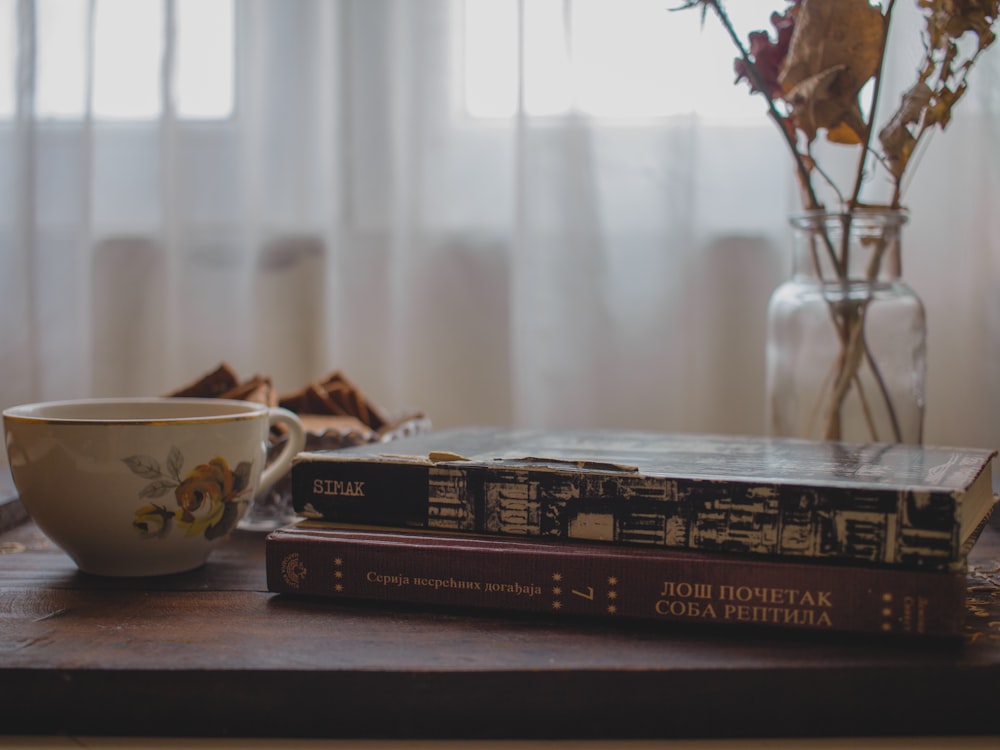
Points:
[(212, 654)]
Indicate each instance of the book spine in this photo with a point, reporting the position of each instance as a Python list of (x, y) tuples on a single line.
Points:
[(880, 527), (595, 580), (363, 492)]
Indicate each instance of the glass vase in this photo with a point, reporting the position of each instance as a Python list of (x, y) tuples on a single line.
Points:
[(846, 337)]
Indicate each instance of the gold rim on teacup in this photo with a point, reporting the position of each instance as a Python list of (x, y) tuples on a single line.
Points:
[(56, 411)]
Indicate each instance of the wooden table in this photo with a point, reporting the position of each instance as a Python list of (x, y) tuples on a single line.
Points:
[(211, 653)]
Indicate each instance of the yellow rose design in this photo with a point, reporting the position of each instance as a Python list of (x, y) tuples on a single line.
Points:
[(210, 483), (152, 520), (208, 498)]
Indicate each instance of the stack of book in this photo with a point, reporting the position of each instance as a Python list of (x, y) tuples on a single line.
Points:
[(735, 530)]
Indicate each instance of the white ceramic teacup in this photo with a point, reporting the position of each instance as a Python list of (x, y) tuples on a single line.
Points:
[(143, 486)]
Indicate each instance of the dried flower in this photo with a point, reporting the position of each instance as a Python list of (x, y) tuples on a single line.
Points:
[(825, 52), (768, 56), (812, 73)]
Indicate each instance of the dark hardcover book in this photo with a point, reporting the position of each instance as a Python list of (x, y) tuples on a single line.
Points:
[(897, 505), (489, 573)]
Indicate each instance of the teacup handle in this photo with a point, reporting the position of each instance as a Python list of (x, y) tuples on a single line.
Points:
[(295, 443)]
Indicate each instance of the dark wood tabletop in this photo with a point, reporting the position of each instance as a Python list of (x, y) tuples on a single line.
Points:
[(213, 653)]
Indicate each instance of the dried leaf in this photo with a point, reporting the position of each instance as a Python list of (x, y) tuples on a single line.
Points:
[(846, 134), (768, 56), (835, 49), (950, 19), (896, 137), (939, 113)]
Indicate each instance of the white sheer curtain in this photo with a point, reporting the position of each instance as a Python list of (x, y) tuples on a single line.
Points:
[(555, 270)]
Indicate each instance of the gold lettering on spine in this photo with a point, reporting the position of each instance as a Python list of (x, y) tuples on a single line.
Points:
[(754, 604), (588, 593), (338, 488)]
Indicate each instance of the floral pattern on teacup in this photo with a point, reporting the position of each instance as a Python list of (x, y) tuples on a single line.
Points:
[(208, 499)]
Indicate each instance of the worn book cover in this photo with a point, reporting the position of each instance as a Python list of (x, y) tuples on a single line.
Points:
[(478, 572), (892, 504)]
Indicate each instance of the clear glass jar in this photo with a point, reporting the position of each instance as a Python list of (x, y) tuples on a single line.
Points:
[(846, 337)]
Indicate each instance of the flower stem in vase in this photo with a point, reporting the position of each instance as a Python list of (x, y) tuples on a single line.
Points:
[(846, 336)]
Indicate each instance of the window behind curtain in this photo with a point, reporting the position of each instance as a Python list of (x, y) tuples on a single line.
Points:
[(631, 59), (128, 38)]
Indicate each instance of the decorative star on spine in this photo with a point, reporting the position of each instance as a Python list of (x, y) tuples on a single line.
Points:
[(612, 595), (338, 563)]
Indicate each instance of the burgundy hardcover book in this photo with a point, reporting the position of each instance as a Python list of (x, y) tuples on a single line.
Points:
[(611, 581)]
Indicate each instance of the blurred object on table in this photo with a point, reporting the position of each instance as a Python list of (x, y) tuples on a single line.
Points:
[(335, 412)]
